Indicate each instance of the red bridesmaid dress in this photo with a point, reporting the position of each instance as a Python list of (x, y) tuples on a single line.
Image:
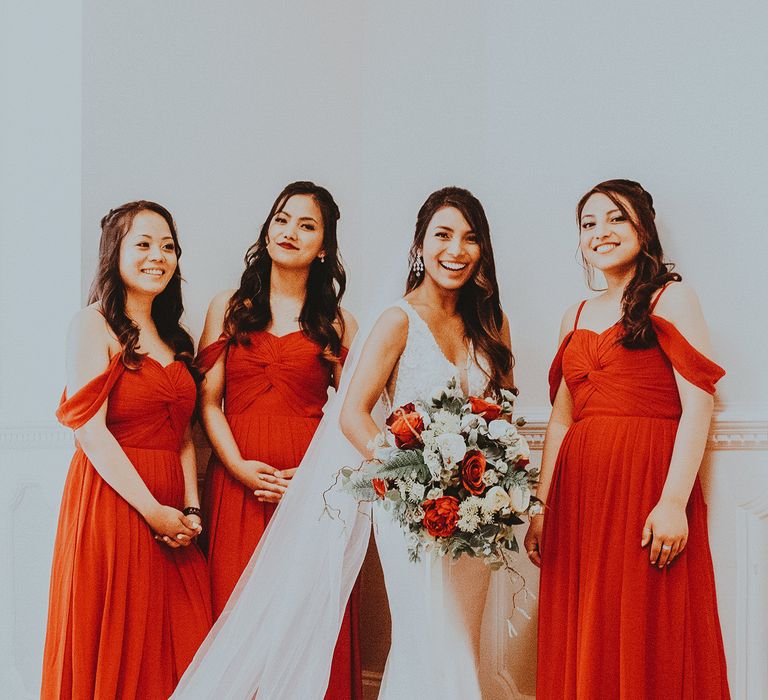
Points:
[(610, 624), (275, 390), (126, 613)]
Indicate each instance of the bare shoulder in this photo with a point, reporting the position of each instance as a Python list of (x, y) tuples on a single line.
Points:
[(679, 304), (217, 309), (390, 331), (89, 327), (219, 303), (350, 326), (393, 319), (677, 301), (91, 345)]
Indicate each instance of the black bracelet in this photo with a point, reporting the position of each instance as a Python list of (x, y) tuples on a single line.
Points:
[(191, 510)]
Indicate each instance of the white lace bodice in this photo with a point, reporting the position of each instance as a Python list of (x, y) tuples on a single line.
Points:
[(423, 367)]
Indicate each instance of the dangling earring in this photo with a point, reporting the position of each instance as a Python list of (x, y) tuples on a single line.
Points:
[(418, 265), (321, 257)]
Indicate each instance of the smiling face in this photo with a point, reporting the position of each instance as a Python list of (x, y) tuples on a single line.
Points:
[(295, 234), (450, 249), (148, 256), (607, 239)]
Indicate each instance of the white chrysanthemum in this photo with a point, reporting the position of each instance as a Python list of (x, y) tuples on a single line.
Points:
[(414, 514), (433, 461), (469, 514), (452, 448), (417, 492), (490, 477), (520, 498), (428, 438), (405, 486), (445, 422)]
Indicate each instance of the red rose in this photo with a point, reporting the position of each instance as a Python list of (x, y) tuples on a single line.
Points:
[(380, 487), (486, 409), (406, 425), (441, 515), (472, 470)]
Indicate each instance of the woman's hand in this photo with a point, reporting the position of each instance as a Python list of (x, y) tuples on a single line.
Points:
[(666, 529), (266, 482), (172, 527), (533, 539)]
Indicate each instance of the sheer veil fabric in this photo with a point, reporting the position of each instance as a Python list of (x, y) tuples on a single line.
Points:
[(275, 638)]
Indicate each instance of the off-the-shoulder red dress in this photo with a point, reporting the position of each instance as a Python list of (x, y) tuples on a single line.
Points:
[(126, 613), (610, 624), (274, 392)]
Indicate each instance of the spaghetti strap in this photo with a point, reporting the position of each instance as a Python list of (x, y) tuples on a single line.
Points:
[(658, 296), (578, 313)]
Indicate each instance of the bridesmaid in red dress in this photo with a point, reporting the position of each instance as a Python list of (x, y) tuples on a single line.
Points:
[(271, 349), (627, 599), (130, 598)]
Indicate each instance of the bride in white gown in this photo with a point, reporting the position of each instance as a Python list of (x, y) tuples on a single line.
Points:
[(276, 636)]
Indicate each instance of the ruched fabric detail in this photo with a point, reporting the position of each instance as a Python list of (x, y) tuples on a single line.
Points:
[(610, 624)]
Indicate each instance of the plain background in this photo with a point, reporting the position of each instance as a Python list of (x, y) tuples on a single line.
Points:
[(211, 109)]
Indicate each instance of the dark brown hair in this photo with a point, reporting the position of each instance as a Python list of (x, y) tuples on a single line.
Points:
[(651, 272), (249, 308), (479, 303), (109, 290)]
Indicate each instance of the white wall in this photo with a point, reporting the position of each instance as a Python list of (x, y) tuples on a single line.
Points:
[(39, 290), (211, 109)]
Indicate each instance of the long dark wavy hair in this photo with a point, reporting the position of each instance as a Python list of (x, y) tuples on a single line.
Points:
[(108, 289), (249, 308), (651, 272), (479, 304)]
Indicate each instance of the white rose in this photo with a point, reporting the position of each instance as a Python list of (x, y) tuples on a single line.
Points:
[(498, 429), (434, 493), (520, 498), (496, 499), (452, 448)]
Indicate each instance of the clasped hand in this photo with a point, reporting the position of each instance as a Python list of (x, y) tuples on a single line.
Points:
[(172, 527), (267, 483)]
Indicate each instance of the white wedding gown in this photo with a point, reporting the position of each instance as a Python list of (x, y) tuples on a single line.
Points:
[(436, 604), (275, 638)]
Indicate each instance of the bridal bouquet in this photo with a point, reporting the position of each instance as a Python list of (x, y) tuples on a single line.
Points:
[(457, 477)]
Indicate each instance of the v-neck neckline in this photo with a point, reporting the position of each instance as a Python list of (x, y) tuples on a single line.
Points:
[(460, 373)]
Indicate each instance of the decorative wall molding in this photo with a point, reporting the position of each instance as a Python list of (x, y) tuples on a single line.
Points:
[(35, 436), (724, 435)]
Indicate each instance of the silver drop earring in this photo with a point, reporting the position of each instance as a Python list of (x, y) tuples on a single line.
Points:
[(418, 265)]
